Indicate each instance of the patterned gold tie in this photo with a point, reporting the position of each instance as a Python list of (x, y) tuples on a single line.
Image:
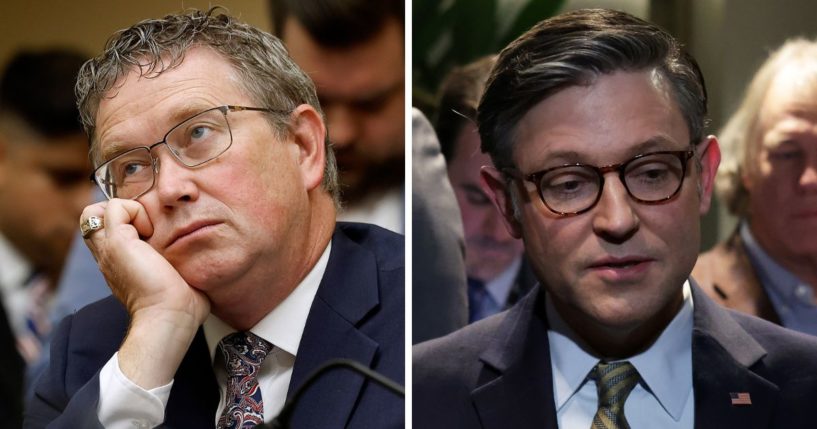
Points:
[(614, 382)]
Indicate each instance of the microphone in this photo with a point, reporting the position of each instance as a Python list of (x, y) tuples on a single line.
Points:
[(281, 421)]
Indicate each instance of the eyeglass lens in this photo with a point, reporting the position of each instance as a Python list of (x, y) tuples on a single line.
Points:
[(193, 142), (650, 178)]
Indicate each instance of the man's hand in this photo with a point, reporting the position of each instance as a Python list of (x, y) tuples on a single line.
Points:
[(165, 311)]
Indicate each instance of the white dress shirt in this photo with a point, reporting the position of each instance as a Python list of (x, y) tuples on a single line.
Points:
[(792, 298), (662, 399), (28, 298), (14, 272), (500, 286), (384, 209), (122, 404)]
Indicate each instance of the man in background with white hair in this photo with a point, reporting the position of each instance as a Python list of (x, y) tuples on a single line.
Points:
[(768, 177)]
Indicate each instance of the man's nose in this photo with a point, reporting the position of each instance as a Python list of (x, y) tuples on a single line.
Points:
[(808, 179), (492, 225), (172, 180), (614, 217), (343, 125)]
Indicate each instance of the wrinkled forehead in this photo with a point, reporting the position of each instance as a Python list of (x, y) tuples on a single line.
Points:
[(792, 93), (200, 79)]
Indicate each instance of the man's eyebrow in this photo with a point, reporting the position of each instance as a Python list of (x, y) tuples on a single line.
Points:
[(655, 143), (111, 150), (382, 92), (177, 116), (366, 97), (470, 187), (185, 112)]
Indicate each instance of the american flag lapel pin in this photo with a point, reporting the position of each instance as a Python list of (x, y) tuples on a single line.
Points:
[(740, 398)]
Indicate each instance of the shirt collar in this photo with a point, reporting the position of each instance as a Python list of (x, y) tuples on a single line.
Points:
[(772, 275), (500, 286), (14, 268), (284, 326), (665, 367)]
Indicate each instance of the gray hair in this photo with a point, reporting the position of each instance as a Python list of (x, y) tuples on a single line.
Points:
[(739, 138), (573, 49), (153, 46)]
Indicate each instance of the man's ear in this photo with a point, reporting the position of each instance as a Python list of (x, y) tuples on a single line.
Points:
[(710, 159), (309, 133), (493, 184)]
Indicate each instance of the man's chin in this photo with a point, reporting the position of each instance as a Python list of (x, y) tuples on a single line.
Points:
[(361, 179), (203, 275), (355, 187)]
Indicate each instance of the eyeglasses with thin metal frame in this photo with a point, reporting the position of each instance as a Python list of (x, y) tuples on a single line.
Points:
[(573, 189), (198, 139)]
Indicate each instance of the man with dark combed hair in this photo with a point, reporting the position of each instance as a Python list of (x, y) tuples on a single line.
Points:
[(595, 122), (353, 50)]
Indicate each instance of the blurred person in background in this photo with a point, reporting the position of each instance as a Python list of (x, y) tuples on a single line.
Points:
[(44, 170), (498, 272), (768, 178), (353, 51), (440, 302)]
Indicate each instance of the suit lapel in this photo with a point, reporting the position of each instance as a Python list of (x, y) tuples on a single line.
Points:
[(343, 300), (515, 386), (723, 354), (194, 398)]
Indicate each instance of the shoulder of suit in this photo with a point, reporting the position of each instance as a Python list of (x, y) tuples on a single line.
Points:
[(788, 350), (387, 246), (460, 347)]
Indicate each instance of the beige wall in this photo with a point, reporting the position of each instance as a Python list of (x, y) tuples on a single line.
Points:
[(87, 24)]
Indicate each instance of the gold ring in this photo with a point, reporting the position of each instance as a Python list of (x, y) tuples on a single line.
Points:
[(90, 225)]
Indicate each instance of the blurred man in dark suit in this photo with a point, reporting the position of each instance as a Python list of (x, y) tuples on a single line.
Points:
[(498, 272), (43, 188)]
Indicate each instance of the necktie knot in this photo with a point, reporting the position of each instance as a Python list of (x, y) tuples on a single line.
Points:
[(614, 382), (243, 354)]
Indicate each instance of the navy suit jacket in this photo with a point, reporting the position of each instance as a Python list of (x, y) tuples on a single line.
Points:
[(497, 373), (358, 313), (12, 367)]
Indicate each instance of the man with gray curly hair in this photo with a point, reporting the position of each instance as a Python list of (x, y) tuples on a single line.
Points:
[(231, 279), (768, 266)]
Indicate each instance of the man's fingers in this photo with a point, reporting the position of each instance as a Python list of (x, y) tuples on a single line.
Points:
[(128, 212), (86, 226)]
